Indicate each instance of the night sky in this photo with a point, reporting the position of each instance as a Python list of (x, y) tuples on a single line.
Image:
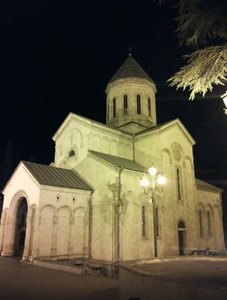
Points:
[(57, 56)]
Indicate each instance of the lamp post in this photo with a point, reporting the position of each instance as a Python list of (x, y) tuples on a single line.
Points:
[(151, 184)]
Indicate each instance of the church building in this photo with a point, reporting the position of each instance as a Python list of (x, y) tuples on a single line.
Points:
[(89, 203)]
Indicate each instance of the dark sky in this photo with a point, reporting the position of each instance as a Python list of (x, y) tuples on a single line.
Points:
[(57, 56)]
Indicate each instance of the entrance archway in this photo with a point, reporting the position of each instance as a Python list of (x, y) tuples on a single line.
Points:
[(181, 237), (20, 227)]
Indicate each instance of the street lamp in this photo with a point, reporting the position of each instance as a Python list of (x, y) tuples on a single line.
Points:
[(152, 184)]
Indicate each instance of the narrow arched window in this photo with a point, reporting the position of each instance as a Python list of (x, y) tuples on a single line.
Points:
[(138, 104), (179, 196), (181, 225), (143, 217), (125, 104), (114, 107), (201, 228), (149, 106), (209, 224)]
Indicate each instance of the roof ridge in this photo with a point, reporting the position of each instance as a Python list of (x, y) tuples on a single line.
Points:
[(122, 162)]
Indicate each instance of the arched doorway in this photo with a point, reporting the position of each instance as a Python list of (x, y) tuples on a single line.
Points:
[(181, 237), (20, 227)]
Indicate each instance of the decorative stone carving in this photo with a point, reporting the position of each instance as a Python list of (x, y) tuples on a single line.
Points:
[(177, 151)]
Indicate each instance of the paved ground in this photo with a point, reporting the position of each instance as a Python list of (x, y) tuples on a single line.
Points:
[(184, 279), (204, 273), (23, 281), (192, 278)]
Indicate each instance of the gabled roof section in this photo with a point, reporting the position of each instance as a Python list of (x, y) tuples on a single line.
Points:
[(58, 177), (165, 125), (72, 116), (206, 185), (120, 162), (130, 68)]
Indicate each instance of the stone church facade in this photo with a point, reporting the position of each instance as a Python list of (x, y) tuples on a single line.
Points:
[(89, 204)]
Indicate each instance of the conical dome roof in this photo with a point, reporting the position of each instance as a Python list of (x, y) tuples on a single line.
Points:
[(130, 68)]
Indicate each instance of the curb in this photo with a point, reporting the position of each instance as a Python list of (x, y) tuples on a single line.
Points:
[(65, 268)]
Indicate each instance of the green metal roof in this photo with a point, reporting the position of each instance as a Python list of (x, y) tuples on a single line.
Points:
[(130, 68), (120, 162), (59, 177)]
